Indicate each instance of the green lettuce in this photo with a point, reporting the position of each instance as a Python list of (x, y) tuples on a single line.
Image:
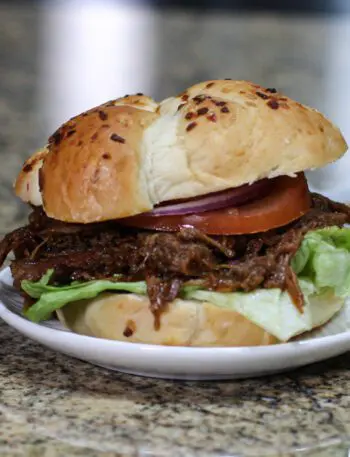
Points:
[(324, 259), (322, 265), (51, 298), (273, 310)]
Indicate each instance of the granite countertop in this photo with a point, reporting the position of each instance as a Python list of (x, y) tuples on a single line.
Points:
[(52, 405)]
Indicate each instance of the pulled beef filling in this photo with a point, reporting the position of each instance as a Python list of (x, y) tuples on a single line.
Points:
[(165, 260)]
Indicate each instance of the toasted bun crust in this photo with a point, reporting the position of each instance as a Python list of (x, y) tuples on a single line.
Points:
[(245, 134), (93, 171), (216, 135), (127, 317)]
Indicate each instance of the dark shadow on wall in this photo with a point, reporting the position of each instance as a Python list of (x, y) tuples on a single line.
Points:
[(288, 6), (285, 6)]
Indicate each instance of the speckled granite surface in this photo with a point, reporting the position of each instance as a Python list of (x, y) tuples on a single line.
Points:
[(51, 405)]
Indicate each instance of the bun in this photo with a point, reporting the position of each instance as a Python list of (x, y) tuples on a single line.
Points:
[(216, 135), (127, 317), (92, 171), (27, 183), (230, 133)]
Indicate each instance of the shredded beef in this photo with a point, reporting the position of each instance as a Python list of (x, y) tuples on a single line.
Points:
[(159, 290), (165, 260), (22, 241)]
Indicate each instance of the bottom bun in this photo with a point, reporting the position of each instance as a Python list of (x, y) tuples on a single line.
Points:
[(127, 317)]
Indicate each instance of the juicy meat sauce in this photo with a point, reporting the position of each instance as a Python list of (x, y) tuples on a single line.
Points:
[(165, 260)]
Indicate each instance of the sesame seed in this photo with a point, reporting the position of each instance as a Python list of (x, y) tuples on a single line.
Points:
[(262, 95), (273, 104), (202, 111), (191, 126), (119, 139), (71, 132), (199, 98), (272, 90), (94, 137), (27, 168), (181, 106), (224, 109), (189, 115), (106, 155), (140, 94), (219, 103), (102, 115), (209, 85)]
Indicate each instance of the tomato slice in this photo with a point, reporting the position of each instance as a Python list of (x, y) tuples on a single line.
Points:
[(288, 200)]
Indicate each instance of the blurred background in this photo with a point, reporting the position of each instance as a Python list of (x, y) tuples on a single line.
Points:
[(61, 57)]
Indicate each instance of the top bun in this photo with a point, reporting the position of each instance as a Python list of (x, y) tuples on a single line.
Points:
[(124, 157)]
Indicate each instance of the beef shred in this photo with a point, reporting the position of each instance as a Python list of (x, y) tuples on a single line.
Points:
[(165, 260)]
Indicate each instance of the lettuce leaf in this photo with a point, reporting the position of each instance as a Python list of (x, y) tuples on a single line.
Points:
[(322, 265), (52, 298), (324, 259), (273, 310)]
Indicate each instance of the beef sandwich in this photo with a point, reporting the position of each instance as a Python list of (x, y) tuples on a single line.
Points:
[(188, 222)]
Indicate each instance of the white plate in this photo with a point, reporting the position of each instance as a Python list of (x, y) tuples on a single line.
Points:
[(180, 362)]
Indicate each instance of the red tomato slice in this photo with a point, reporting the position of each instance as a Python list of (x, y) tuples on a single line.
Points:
[(287, 201)]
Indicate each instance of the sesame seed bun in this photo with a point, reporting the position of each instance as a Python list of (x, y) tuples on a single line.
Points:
[(124, 157)]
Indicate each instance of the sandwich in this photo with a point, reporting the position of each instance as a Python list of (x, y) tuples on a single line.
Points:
[(187, 222)]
